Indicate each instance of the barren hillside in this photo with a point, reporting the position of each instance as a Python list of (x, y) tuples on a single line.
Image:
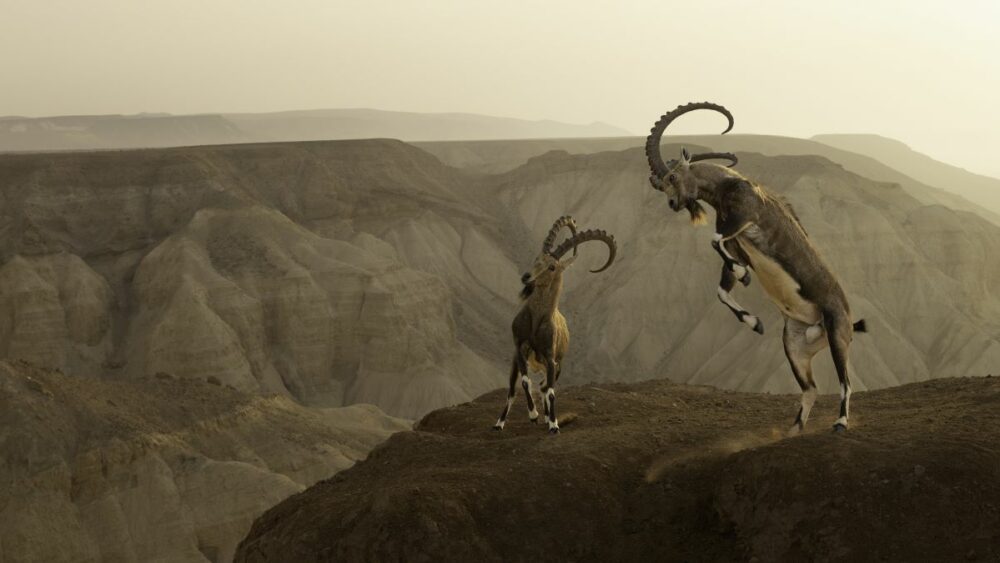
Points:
[(159, 467), (676, 473), (368, 271), (276, 268), (983, 190)]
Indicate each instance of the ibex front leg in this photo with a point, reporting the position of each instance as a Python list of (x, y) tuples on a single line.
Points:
[(728, 225), (517, 369), (738, 267), (725, 287), (549, 395), (532, 411)]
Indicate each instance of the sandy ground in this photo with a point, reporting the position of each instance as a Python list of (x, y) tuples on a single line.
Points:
[(661, 471)]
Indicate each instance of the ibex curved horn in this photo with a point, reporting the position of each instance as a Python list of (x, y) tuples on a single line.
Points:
[(588, 235), (713, 155), (550, 239), (656, 164)]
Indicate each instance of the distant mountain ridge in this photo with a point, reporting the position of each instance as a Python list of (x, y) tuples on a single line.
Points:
[(87, 132), (982, 190), (928, 180)]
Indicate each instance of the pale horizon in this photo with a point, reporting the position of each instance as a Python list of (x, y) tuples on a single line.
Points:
[(917, 73)]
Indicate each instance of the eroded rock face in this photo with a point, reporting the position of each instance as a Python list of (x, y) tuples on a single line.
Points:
[(158, 468), (276, 269), (263, 304), (55, 311), (369, 272)]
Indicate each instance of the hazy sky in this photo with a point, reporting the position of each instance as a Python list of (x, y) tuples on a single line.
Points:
[(927, 73)]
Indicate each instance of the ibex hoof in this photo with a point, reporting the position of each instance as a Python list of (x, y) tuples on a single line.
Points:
[(838, 428), (758, 327), (534, 420), (745, 280), (497, 427), (554, 430), (795, 430)]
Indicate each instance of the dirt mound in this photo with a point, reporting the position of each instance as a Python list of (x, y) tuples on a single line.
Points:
[(661, 471)]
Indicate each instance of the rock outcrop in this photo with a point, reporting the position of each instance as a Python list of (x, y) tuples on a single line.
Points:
[(657, 471)]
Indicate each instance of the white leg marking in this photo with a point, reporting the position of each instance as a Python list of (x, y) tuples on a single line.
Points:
[(550, 396), (808, 400), (506, 412), (845, 397), (727, 298), (718, 239), (533, 413)]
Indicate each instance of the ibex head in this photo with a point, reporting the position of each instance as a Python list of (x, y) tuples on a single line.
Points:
[(548, 266), (674, 177)]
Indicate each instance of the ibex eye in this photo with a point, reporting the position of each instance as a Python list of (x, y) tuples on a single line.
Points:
[(552, 268), (673, 177)]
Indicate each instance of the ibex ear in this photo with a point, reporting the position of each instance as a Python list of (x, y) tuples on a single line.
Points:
[(685, 157), (567, 262)]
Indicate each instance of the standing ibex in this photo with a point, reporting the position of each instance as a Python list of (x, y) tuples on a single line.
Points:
[(758, 230), (541, 337)]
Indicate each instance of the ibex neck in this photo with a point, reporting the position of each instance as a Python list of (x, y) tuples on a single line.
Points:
[(709, 176), (546, 300)]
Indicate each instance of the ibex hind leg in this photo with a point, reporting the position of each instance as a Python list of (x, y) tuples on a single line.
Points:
[(515, 375), (532, 411), (839, 332), (800, 347)]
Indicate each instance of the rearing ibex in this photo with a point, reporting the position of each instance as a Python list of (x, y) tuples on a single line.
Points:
[(758, 230), (541, 337)]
